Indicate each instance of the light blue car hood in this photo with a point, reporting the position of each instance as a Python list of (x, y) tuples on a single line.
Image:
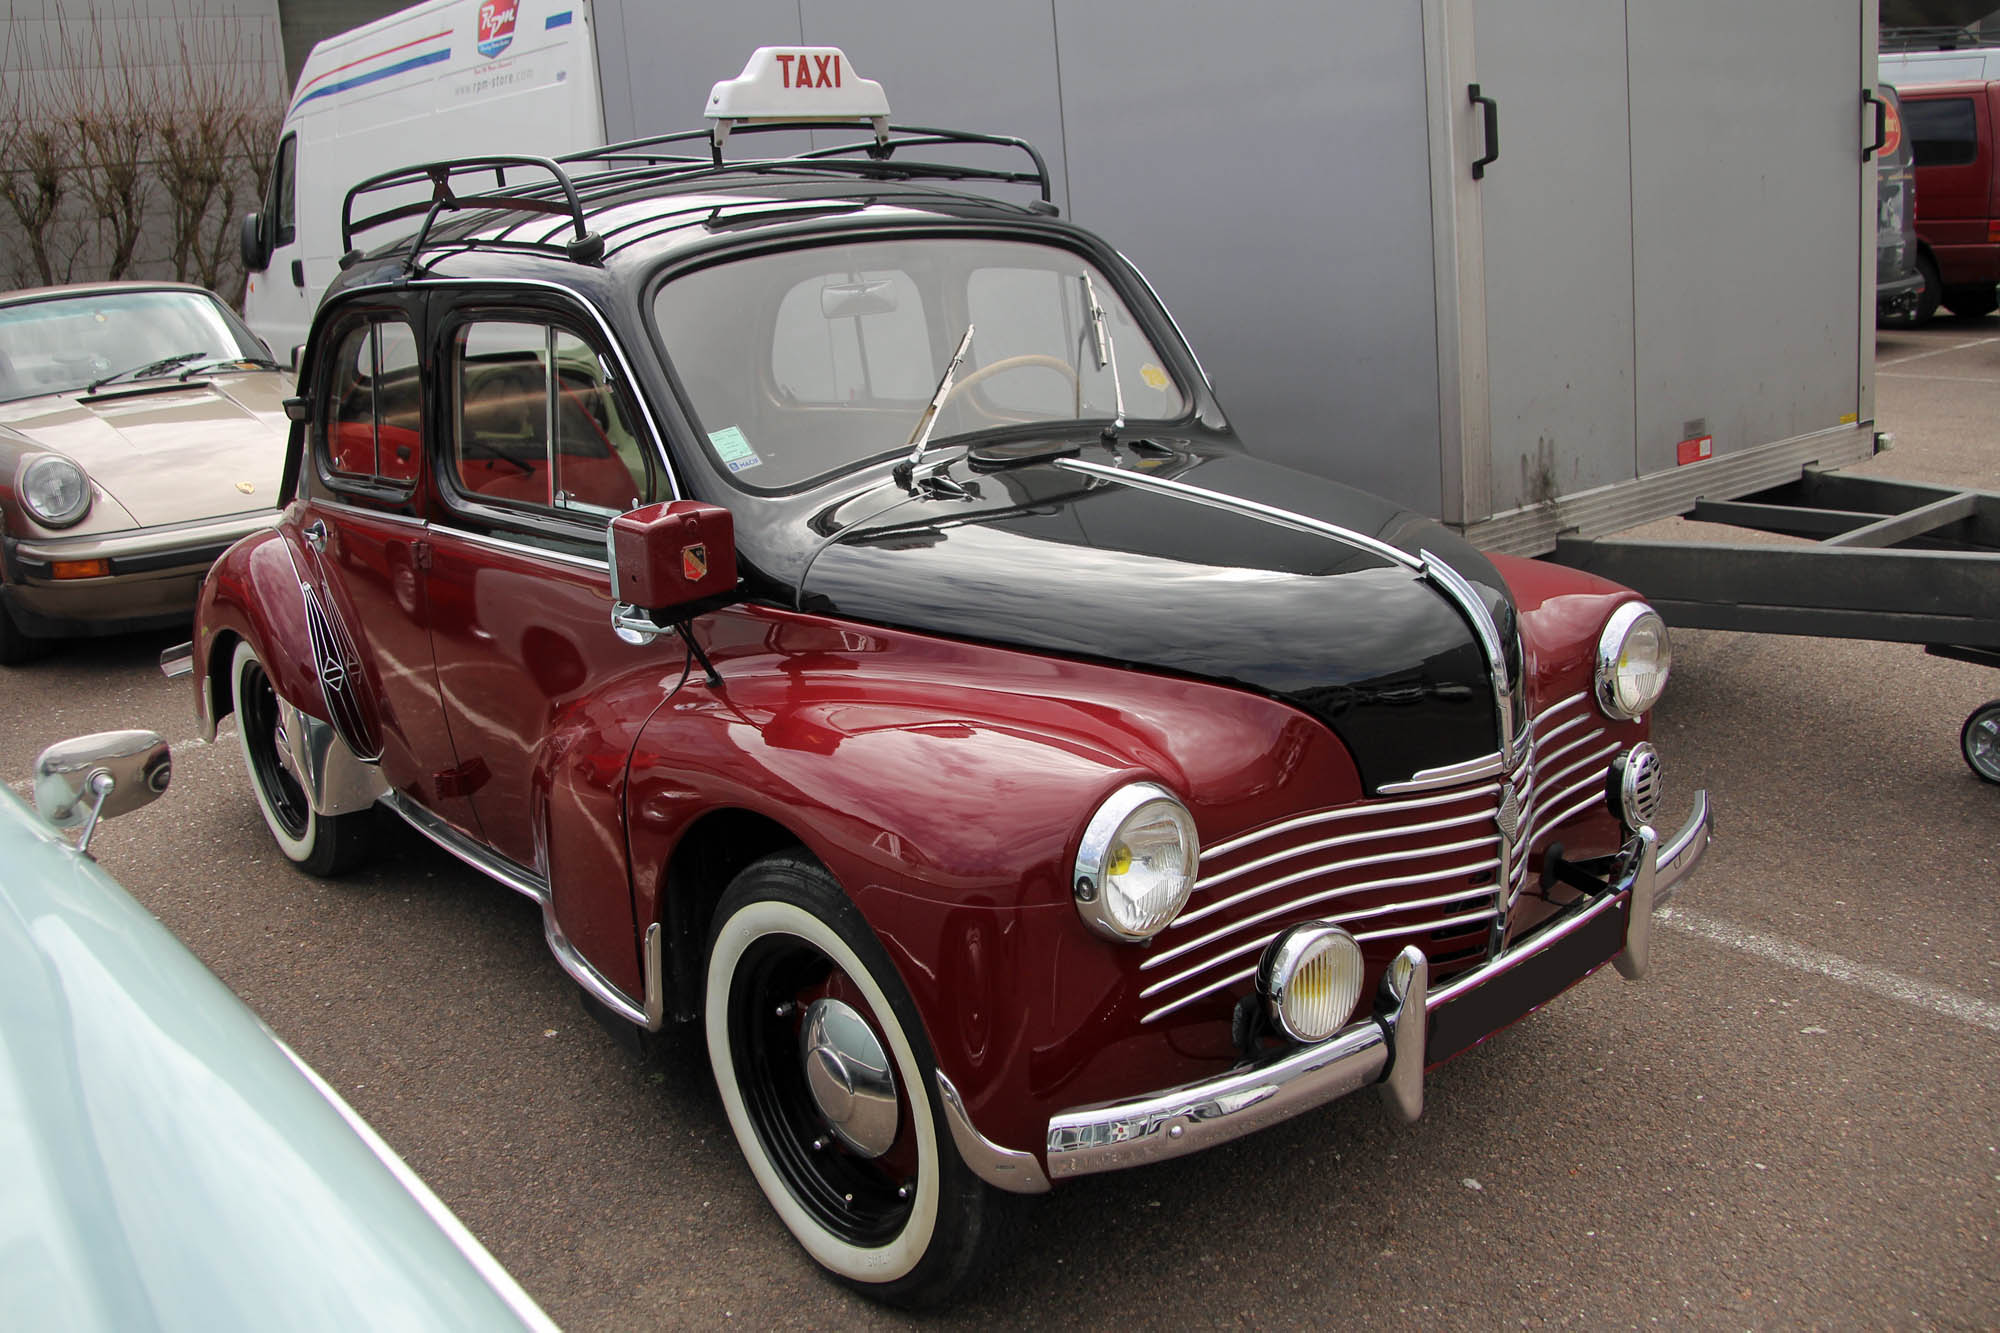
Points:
[(167, 1164)]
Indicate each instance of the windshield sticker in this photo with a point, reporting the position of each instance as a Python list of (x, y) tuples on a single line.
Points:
[(734, 451), (1155, 377)]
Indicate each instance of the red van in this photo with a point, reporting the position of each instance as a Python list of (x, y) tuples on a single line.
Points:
[(1951, 127)]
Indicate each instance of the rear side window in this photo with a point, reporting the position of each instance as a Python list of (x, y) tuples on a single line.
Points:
[(1943, 131), (374, 421)]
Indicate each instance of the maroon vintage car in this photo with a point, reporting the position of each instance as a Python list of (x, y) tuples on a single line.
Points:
[(840, 600)]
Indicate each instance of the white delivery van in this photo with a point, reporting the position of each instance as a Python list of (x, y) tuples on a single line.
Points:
[(445, 79)]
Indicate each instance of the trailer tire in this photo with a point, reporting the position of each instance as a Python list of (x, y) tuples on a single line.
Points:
[(1979, 741)]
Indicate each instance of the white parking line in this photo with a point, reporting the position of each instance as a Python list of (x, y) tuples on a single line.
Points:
[(1940, 379), (1880, 981), (1935, 351)]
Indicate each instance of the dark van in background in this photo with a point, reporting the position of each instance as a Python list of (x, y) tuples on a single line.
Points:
[(1899, 287), (1950, 127)]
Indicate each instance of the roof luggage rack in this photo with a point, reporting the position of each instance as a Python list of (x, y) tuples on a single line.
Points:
[(741, 106)]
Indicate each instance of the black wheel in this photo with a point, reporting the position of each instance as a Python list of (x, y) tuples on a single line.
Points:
[(318, 844), (1933, 292), (1974, 302), (16, 647), (1979, 740), (825, 1071)]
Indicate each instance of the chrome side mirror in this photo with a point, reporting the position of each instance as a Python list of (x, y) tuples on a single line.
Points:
[(80, 781)]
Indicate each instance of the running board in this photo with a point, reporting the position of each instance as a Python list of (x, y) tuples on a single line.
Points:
[(649, 1015)]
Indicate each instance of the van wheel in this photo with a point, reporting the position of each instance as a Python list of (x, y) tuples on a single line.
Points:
[(1933, 293), (1974, 302), (1979, 740), (826, 1075), (317, 844)]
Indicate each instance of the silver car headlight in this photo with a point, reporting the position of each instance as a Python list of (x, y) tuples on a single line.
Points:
[(1633, 659), (1137, 863), (53, 490)]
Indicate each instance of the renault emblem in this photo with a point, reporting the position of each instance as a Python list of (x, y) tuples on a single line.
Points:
[(1509, 814), (694, 562)]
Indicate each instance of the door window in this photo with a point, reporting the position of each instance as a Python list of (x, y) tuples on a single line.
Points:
[(283, 205), (1943, 131), (540, 424), (373, 432)]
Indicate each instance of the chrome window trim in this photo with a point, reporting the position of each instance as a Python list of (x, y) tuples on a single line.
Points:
[(344, 506), (1236, 504), (523, 548)]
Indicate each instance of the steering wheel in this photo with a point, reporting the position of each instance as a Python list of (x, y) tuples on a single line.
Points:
[(1007, 363)]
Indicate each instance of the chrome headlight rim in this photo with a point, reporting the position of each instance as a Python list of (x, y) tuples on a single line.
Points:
[(1101, 835), (1611, 647), (1291, 953), (24, 488)]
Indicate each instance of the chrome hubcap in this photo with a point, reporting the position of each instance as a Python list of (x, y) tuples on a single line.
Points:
[(849, 1076)]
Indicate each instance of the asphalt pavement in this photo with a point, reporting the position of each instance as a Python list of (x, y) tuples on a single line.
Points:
[(1795, 1121)]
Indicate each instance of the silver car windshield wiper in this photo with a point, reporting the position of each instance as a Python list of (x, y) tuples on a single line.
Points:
[(160, 367), (1106, 350), (921, 436)]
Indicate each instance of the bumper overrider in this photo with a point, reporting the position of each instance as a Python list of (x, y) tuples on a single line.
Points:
[(1411, 1027)]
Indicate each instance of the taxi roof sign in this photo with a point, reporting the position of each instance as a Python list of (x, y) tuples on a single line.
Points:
[(797, 83)]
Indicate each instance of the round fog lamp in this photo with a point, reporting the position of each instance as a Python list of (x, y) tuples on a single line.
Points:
[(1311, 980)]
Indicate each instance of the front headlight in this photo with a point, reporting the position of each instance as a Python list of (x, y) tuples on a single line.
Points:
[(53, 490), (1137, 863), (1633, 658)]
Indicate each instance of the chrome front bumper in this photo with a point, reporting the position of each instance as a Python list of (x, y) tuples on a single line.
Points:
[(1614, 925)]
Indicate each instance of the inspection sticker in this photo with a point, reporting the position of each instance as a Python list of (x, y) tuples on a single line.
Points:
[(734, 451)]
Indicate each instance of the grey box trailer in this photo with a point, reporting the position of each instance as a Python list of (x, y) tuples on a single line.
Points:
[(1661, 288)]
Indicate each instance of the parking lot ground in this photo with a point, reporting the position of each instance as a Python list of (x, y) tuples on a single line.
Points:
[(1795, 1121)]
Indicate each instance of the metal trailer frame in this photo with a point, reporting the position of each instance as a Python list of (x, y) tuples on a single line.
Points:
[(1902, 561)]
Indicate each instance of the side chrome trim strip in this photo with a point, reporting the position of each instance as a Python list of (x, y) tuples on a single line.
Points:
[(1002, 1168), (1486, 766), (1236, 504), (650, 1013), (523, 548)]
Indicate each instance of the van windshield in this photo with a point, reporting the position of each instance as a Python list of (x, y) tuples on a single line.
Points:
[(805, 363)]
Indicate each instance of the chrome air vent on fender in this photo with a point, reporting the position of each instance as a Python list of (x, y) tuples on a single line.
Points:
[(1426, 869)]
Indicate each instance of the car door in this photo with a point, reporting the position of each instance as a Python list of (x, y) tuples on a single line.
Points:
[(1951, 136), (544, 445), (364, 548)]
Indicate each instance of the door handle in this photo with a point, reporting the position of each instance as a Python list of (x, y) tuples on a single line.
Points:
[(1881, 123), (298, 273), (1492, 110), (315, 535)]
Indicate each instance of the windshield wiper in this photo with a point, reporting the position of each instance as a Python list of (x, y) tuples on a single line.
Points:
[(1106, 352), (160, 367), (208, 363), (905, 472)]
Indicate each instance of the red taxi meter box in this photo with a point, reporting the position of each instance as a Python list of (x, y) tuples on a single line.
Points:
[(669, 555)]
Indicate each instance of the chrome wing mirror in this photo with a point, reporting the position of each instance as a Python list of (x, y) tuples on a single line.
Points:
[(81, 781)]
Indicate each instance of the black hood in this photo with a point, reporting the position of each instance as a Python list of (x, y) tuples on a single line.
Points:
[(1040, 557)]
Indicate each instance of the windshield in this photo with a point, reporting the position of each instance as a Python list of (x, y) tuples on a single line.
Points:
[(803, 363), (66, 344)]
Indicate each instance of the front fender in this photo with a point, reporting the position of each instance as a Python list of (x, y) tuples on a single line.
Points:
[(946, 786), (253, 592)]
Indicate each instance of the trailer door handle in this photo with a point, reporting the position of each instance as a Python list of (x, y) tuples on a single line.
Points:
[(298, 273), (1492, 109), (1881, 123)]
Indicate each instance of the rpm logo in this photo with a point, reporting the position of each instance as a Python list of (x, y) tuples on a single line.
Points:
[(496, 26)]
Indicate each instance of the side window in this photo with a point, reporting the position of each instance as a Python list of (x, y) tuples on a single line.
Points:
[(540, 424), (284, 189), (373, 432), (1943, 131)]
